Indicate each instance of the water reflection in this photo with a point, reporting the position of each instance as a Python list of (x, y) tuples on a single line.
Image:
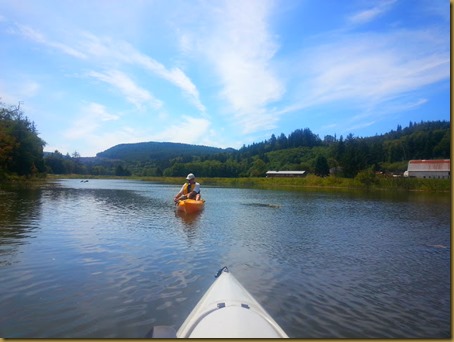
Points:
[(20, 214), (189, 224), (188, 219)]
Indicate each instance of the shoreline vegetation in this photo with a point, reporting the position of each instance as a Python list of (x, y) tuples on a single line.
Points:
[(363, 181), (371, 163)]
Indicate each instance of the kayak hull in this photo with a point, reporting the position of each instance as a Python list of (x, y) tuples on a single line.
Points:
[(228, 310), (190, 206)]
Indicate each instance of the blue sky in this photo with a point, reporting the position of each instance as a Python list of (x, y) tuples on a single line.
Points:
[(95, 73)]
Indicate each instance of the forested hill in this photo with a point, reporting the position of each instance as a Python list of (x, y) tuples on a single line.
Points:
[(21, 153), (300, 150), (157, 151)]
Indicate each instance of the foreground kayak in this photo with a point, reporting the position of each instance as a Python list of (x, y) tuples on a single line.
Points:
[(190, 206), (226, 310)]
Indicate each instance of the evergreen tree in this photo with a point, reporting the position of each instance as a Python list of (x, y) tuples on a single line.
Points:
[(321, 167)]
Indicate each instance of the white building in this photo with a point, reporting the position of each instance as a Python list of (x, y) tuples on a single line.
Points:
[(440, 168), (286, 173)]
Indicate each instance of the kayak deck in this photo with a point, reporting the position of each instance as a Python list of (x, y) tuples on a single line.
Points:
[(234, 322), (228, 310), (190, 206)]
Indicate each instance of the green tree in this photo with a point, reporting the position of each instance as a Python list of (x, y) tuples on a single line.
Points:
[(258, 168), (121, 171), (367, 177), (21, 150), (55, 163), (321, 167), (7, 146), (442, 148)]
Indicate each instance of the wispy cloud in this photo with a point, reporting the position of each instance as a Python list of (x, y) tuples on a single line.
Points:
[(100, 113), (89, 121), (184, 131), (241, 47), (120, 51), (367, 15), (440, 9), (234, 68), (99, 140), (40, 38), (371, 116), (370, 69), (133, 93), (24, 89), (175, 75), (108, 51)]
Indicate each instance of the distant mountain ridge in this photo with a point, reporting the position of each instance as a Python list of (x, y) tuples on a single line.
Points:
[(152, 150)]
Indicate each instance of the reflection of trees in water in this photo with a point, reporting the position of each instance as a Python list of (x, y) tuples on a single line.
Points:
[(20, 212), (190, 223)]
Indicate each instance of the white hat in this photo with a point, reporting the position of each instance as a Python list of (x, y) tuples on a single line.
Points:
[(190, 176)]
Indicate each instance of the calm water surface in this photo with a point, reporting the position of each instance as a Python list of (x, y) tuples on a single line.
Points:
[(111, 258)]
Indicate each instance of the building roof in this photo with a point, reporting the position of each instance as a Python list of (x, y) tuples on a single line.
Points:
[(285, 172), (429, 165)]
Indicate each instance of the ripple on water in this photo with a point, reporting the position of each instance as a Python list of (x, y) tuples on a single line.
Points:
[(111, 259)]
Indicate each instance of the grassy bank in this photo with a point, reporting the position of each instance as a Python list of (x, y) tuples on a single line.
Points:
[(377, 183), (14, 182), (366, 181)]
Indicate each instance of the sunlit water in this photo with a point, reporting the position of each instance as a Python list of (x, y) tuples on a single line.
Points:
[(111, 258)]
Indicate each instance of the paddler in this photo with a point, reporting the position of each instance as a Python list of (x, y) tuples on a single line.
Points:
[(190, 189)]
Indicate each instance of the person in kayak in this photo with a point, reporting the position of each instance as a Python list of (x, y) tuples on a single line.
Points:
[(189, 190)]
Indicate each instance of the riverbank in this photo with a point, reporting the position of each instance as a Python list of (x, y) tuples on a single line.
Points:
[(333, 183), (361, 182), (13, 182)]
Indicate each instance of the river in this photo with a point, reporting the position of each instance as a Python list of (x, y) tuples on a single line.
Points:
[(112, 258)]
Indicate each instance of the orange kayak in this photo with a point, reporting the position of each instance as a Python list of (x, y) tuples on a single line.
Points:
[(190, 206)]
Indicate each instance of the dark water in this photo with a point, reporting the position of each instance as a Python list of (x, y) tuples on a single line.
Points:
[(111, 258)]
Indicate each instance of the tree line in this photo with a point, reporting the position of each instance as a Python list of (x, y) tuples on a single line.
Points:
[(21, 153), (21, 149), (300, 150), (303, 150)]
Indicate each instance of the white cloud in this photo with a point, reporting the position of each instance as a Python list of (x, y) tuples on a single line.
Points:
[(372, 13), (89, 121), (368, 73), (99, 112), (189, 130), (123, 52), (103, 140), (388, 108), (109, 52), (39, 38), (21, 91), (241, 48), (133, 93), (370, 69), (175, 76), (371, 116)]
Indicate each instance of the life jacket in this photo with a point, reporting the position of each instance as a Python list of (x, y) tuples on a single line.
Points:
[(188, 187)]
